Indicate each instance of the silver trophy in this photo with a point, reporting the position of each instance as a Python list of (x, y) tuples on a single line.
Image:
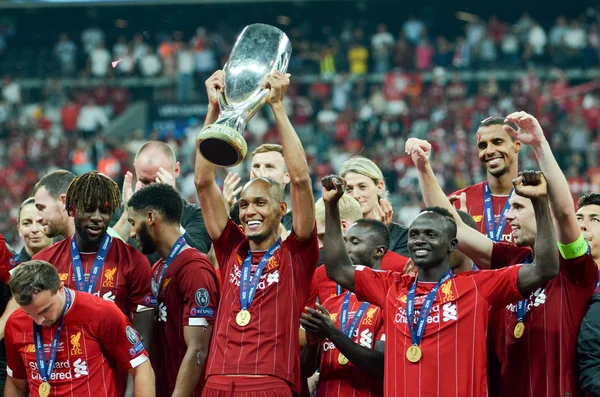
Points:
[(259, 50)]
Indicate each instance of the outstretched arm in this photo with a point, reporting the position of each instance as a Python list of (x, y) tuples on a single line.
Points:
[(530, 133), (337, 261), (303, 202), (470, 242), (533, 185), (211, 201)]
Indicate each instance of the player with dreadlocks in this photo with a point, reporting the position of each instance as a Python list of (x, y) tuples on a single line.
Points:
[(94, 262)]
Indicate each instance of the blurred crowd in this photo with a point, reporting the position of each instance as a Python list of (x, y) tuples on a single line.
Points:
[(337, 116)]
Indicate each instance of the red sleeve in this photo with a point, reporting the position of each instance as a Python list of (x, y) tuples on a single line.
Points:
[(508, 254), (379, 329), (498, 287), (582, 272), (8, 260), (198, 286), (227, 245), (139, 279), (15, 367), (119, 338), (305, 255), (373, 285)]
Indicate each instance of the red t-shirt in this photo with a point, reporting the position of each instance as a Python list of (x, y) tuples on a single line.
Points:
[(347, 380), (189, 297), (8, 260), (323, 288), (543, 361), (269, 344), (454, 344), (96, 341), (125, 277), (476, 210)]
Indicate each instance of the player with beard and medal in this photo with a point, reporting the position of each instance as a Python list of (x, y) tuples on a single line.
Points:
[(31, 230), (94, 262), (488, 201), (265, 282), (185, 289), (535, 339), (365, 182), (65, 343), (423, 316), (347, 334), (50, 195)]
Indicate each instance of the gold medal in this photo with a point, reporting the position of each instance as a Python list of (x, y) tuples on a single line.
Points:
[(44, 389), (519, 329), (414, 353), (243, 318), (343, 360)]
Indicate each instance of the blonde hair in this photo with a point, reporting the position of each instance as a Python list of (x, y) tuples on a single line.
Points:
[(364, 166), (349, 209)]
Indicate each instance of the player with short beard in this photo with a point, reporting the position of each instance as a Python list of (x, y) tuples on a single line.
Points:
[(185, 288)]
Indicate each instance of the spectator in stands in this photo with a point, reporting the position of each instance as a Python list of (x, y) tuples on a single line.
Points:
[(66, 54), (99, 61), (381, 46), (185, 64), (91, 118), (11, 91), (91, 37), (150, 65), (413, 29)]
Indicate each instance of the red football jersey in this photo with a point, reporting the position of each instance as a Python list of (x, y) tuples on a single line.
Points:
[(476, 210), (8, 260), (347, 380), (454, 344), (543, 361), (269, 344), (96, 341), (189, 297), (125, 277), (323, 288)]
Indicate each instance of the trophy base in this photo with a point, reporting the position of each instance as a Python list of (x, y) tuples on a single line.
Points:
[(221, 145)]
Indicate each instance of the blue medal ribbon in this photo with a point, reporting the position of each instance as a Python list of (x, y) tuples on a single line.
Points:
[(46, 368), (493, 230), (417, 335), (96, 268), (348, 329), (157, 283), (598, 284), (522, 304), (338, 289), (248, 285)]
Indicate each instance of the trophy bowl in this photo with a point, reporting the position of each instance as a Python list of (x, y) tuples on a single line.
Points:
[(258, 51)]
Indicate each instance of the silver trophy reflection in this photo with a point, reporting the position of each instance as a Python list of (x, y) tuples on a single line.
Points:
[(259, 50)]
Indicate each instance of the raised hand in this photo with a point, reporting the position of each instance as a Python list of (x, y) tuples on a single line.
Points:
[(333, 188), (385, 210), (164, 176), (231, 189), (128, 189), (531, 184), (463, 200), (213, 84), (278, 84), (530, 132), (419, 150)]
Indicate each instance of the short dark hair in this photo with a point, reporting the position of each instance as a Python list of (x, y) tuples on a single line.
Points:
[(159, 197), (91, 189), (588, 199), (379, 232), (33, 277), (276, 189), (467, 219), (56, 183), (268, 147), (496, 120), (450, 222), (30, 200), (234, 213)]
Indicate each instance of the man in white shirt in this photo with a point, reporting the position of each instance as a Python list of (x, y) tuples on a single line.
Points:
[(99, 61)]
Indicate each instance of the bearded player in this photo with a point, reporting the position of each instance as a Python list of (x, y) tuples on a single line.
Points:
[(424, 315), (266, 282)]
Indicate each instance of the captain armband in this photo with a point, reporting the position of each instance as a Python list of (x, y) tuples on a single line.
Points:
[(574, 250)]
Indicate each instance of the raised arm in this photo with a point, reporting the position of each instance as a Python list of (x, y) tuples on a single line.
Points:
[(211, 201), (470, 242), (533, 185), (338, 264), (530, 133), (303, 202)]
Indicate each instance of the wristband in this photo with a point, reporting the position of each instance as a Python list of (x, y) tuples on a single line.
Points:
[(576, 249)]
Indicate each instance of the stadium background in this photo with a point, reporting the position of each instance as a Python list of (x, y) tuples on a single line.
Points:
[(365, 76)]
